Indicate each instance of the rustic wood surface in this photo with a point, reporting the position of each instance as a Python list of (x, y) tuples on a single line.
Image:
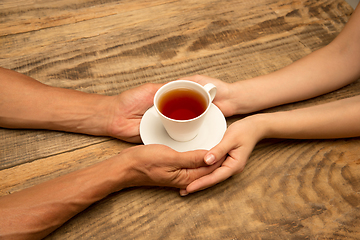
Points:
[(290, 189)]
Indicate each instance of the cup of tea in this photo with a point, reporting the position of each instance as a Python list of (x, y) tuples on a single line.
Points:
[(182, 106)]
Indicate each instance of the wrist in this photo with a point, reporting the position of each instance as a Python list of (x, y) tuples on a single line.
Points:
[(81, 113), (117, 172), (263, 125), (278, 125), (126, 169), (244, 97)]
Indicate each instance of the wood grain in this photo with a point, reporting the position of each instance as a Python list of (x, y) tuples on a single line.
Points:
[(311, 193), (290, 189)]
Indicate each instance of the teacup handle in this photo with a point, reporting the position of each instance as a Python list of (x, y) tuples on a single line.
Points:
[(211, 88)]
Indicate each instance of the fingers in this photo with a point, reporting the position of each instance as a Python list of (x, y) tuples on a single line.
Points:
[(228, 168), (196, 176), (191, 159), (191, 166), (236, 153), (219, 175), (149, 88), (134, 139), (213, 158), (221, 150), (202, 170)]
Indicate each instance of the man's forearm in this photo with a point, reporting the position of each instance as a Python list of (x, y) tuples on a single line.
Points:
[(35, 212), (27, 103)]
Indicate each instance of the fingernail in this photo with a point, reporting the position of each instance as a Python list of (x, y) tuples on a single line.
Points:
[(210, 159), (183, 192)]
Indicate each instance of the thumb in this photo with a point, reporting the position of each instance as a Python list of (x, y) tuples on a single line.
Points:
[(219, 151), (192, 159)]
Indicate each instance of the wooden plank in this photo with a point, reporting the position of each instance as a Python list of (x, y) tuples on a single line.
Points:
[(23, 146), (31, 173), (107, 55), (289, 189), (110, 54)]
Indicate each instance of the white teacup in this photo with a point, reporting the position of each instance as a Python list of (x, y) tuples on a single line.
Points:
[(182, 106)]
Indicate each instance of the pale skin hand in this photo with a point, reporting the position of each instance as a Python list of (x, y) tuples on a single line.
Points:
[(225, 98), (236, 146), (35, 212), (338, 119), (325, 70), (27, 103), (322, 71)]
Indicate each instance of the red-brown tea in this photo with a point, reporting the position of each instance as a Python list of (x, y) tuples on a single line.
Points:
[(182, 104)]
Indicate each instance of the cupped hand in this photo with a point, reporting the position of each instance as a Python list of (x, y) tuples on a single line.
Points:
[(235, 147), (127, 110), (159, 165), (224, 98)]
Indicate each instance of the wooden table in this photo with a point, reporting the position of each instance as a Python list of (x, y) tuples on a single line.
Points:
[(290, 189)]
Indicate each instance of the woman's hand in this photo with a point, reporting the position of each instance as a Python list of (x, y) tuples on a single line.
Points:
[(235, 147), (224, 99)]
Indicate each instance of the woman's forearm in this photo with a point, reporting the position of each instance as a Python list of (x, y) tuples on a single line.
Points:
[(338, 119), (313, 75), (27, 103), (322, 71)]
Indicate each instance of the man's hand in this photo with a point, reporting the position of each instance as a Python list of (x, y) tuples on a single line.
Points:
[(159, 165), (127, 111), (27, 103), (35, 212)]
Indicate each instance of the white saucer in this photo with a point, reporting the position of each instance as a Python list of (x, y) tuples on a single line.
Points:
[(210, 134)]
